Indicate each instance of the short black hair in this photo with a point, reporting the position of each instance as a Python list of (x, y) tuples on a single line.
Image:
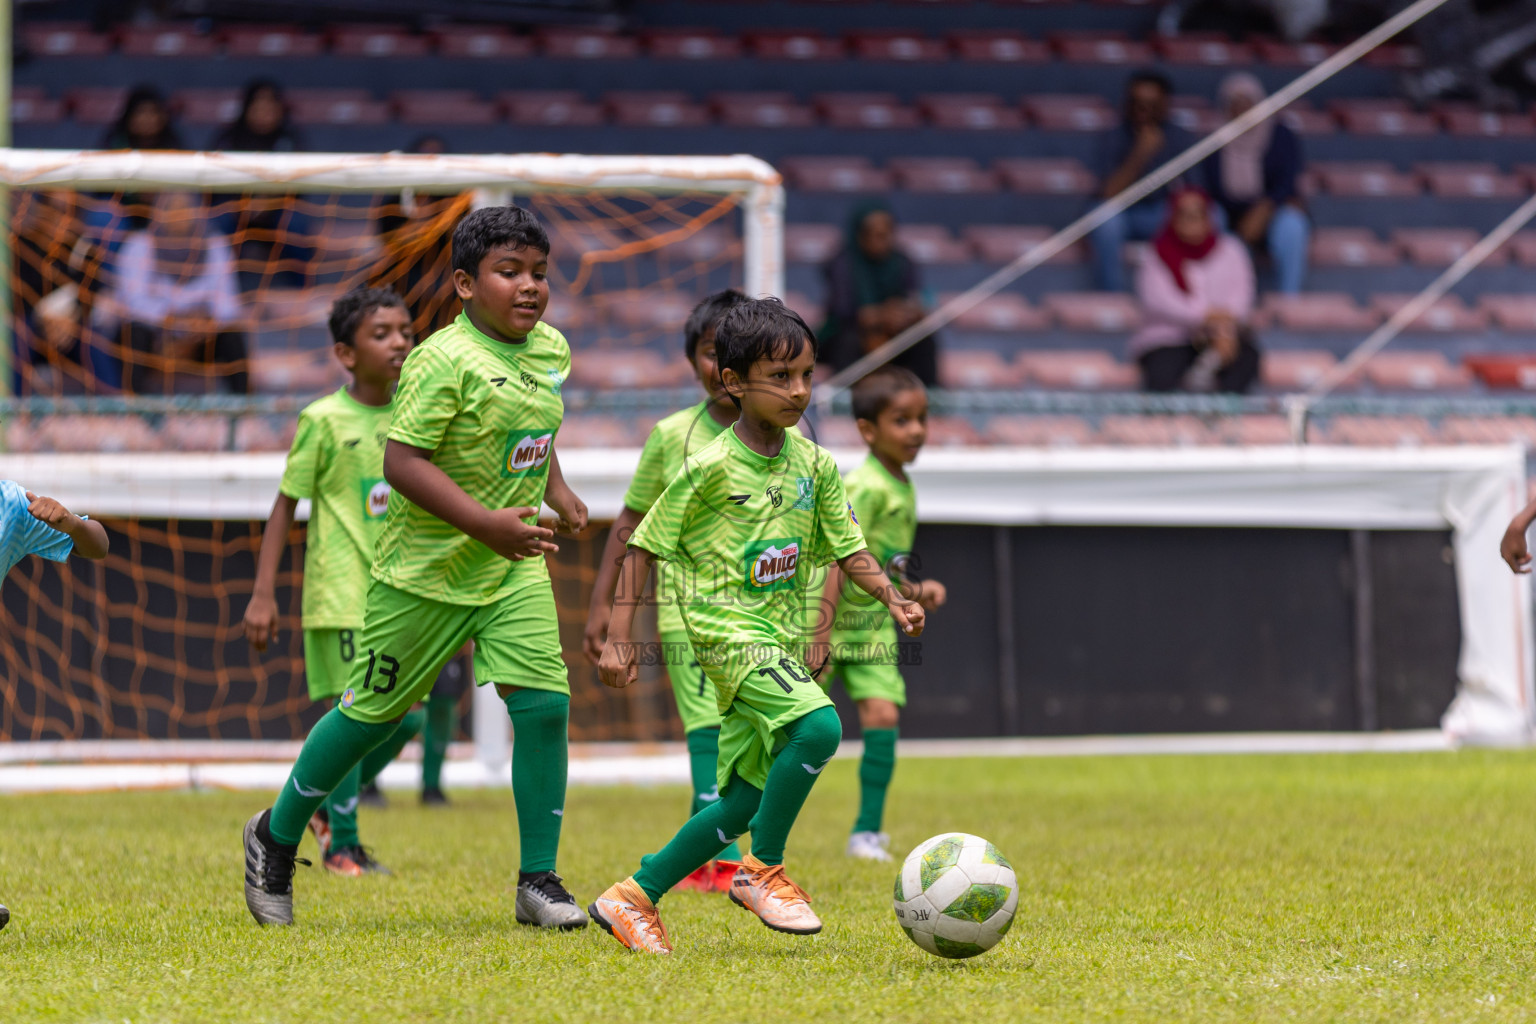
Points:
[(349, 311), (706, 315), (491, 227), (875, 391), (759, 329), (1150, 76)]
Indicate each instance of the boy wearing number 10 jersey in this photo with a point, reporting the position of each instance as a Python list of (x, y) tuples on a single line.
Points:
[(470, 458)]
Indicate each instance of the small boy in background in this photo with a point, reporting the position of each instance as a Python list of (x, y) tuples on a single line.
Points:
[(891, 409), (337, 461)]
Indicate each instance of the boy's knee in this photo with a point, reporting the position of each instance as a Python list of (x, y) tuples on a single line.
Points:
[(820, 732), (537, 706), (876, 713)]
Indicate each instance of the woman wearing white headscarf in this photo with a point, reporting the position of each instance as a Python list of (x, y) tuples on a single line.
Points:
[(1253, 181)]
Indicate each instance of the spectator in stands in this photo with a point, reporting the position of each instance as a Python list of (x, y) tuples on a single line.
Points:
[(1145, 141), (1196, 292), (873, 294), (55, 267), (263, 126), (145, 123), (1253, 180), (416, 230), (176, 297)]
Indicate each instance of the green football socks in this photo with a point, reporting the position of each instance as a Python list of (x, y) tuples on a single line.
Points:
[(335, 746), (341, 809), (703, 755), (540, 740), (700, 839), (813, 739), (378, 759), (875, 771), (441, 712)]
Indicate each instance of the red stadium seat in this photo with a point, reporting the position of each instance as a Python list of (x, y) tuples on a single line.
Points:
[(590, 431), (1194, 114), (1440, 247), (811, 243), (957, 175), (1448, 313), (553, 107), (294, 372), (444, 106), (931, 243), (1155, 431), (647, 307), (656, 110), (1365, 178), (976, 370), (482, 42), (1100, 48), (1379, 431), (977, 111), (1523, 248), (1306, 120), (801, 303), (1094, 311), (377, 41), (691, 44), (1062, 176), (866, 110), (1383, 117), (1039, 431), (1504, 370), (587, 44), (952, 432), (835, 174), (1292, 55), (31, 105), (207, 106), (1295, 369), (1490, 429), (1469, 180), (1416, 371), (1513, 313), (1071, 113), (1251, 430), (796, 46), (166, 41), (1351, 247), (897, 44), (1004, 243), (271, 41), (1466, 119), (1318, 311), (63, 39), (1391, 56), (1078, 370), (1005, 313), (761, 110), (611, 369), (835, 431), (1209, 50), (336, 106), (1002, 47), (96, 104)]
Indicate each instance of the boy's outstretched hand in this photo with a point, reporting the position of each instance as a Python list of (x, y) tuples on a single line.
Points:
[(931, 594), (616, 668), (260, 622), (909, 616), (506, 534), (90, 537), (1514, 551)]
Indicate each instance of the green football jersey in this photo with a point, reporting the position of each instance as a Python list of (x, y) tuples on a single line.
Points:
[(337, 461), (680, 434), (489, 412), (887, 511), (746, 535)]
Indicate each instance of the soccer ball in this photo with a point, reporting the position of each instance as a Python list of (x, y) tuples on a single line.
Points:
[(956, 895)]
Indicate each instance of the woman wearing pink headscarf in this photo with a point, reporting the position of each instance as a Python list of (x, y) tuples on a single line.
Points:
[(1253, 181), (1196, 291)]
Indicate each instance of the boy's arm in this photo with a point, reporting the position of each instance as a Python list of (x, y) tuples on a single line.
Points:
[(559, 496), (617, 667), (820, 654), (865, 571), (1513, 547), (601, 607), (89, 536), (411, 471), (260, 622)]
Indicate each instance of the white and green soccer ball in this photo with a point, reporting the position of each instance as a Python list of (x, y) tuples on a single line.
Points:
[(956, 895)]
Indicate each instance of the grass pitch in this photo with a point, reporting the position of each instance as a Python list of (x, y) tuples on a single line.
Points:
[(1327, 888)]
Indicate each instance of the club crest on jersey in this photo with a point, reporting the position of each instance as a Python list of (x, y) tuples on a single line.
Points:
[(771, 564), (527, 451), (348, 697), (775, 495), (529, 382), (805, 487), (375, 498)]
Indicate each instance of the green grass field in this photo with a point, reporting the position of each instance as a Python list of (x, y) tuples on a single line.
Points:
[(1328, 888)]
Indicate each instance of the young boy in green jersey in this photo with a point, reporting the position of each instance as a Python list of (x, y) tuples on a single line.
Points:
[(470, 457), (670, 441), (337, 461), (745, 524), (891, 409)]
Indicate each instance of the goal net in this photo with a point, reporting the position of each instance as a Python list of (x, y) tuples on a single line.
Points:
[(173, 304)]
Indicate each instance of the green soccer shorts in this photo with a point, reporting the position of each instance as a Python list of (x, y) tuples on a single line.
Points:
[(772, 692), (697, 705), (328, 657), (406, 640), (868, 681)]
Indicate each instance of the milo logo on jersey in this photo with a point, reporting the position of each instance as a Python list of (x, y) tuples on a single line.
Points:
[(771, 564), (527, 451), (375, 498)]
